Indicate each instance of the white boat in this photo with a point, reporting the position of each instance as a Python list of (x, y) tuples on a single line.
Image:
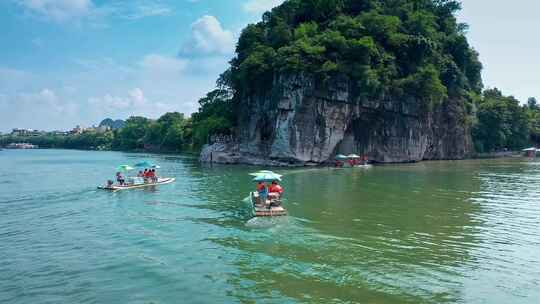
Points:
[(272, 207), (116, 187), (531, 152), (367, 166)]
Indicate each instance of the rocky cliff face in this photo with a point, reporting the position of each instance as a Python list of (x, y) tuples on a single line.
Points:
[(298, 123)]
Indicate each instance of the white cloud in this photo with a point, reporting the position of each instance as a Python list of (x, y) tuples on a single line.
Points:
[(36, 109), (260, 6), (134, 103), (89, 10), (135, 98), (138, 9), (59, 10), (13, 79), (108, 102), (209, 38), (155, 63), (102, 87)]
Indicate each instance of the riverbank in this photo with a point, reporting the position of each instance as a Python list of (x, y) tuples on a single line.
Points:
[(193, 153), (504, 154), (231, 154)]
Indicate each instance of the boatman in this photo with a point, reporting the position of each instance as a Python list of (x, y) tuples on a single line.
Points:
[(120, 179)]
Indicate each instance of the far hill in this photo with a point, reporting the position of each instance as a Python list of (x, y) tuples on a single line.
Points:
[(113, 124)]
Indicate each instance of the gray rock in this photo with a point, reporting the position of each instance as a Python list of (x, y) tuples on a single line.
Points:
[(300, 124)]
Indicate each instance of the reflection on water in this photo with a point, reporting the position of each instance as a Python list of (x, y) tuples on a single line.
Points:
[(436, 232)]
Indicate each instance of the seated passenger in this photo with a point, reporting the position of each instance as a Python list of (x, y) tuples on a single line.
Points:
[(263, 193), (146, 175), (140, 174), (275, 190), (153, 176)]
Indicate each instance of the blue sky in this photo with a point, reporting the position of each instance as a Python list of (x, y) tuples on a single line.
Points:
[(69, 62)]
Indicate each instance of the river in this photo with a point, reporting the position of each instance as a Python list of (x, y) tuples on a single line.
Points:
[(433, 232)]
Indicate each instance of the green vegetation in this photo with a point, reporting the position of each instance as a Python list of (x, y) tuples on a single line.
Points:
[(214, 117), (172, 132), (391, 48), (169, 133), (533, 118), (88, 140), (505, 124)]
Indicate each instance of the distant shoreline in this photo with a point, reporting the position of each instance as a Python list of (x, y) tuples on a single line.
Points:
[(195, 154)]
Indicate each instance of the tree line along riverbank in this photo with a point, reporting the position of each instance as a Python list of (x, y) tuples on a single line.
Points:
[(501, 122), (172, 132)]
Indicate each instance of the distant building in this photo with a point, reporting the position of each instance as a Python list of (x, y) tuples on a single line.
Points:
[(102, 129), (26, 132), (59, 133), (77, 130)]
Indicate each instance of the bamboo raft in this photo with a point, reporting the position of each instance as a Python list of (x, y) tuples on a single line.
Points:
[(268, 209)]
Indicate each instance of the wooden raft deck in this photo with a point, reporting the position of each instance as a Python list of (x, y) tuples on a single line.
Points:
[(265, 211)]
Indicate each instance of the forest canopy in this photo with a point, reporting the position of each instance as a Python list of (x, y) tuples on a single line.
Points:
[(385, 48)]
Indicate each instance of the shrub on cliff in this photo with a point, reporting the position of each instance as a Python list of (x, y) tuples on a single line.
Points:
[(385, 48), (215, 116)]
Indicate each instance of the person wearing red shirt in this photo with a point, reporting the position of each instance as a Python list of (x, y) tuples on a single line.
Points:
[(146, 175), (275, 190)]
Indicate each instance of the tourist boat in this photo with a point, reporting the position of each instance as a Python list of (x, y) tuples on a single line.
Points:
[(351, 161), (136, 182), (22, 146), (273, 205), (128, 186), (531, 152), (365, 166)]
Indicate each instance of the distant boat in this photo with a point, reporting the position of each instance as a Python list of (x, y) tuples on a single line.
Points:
[(531, 152), (114, 188), (23, 146), (135, 182)]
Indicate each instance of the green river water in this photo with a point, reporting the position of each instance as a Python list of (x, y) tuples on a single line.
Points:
[(434, 232)]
